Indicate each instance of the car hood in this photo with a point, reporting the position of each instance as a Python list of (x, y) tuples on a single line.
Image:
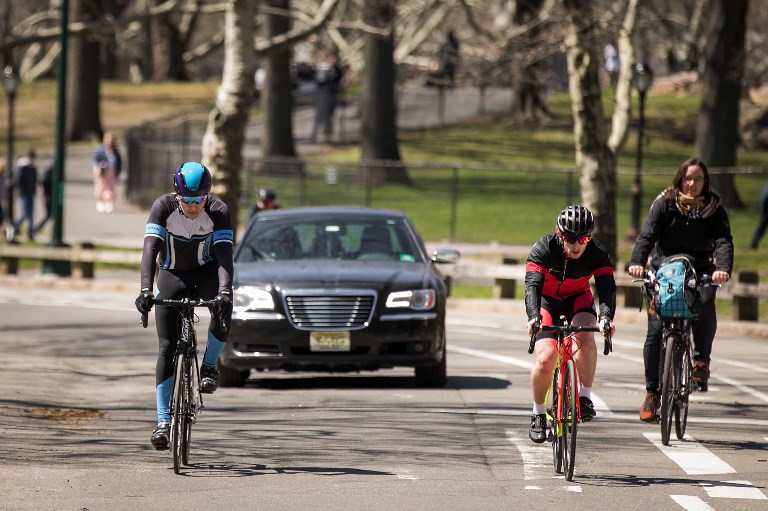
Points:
[(334, 274)]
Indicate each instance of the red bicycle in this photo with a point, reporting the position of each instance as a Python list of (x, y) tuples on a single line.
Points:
[(563, 408)]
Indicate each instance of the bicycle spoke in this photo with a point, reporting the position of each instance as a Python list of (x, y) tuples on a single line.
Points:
[(668, 388)]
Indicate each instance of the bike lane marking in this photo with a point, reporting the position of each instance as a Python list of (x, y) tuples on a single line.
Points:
[(695, 459), (600, 405), (537, 461)]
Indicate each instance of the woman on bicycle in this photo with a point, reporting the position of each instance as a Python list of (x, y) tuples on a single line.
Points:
[(686, 218), (191, 232), (557, 275)]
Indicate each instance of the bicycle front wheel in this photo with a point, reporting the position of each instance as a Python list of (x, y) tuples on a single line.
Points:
[(669, 386), (686, 386), (179, 413), (570, 419), (553, 424), (186, 430)]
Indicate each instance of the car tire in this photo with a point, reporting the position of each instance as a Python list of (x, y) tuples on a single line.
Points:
[(229, 377), (432, 376)]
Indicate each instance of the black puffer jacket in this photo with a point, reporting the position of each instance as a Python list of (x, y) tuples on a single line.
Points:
[(667, 232)]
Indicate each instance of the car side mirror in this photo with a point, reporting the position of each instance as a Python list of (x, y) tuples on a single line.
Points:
[(446, 256)]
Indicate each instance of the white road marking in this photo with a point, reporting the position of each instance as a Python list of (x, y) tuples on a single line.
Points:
[(744, 388), (537, 458), (692, 457), (691, 503), (504, 359), (732, 490)]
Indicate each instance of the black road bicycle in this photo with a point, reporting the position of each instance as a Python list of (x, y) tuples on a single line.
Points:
[(676, 364), (186, 399)]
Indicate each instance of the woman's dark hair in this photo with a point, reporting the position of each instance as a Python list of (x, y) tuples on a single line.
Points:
[(677, 181)]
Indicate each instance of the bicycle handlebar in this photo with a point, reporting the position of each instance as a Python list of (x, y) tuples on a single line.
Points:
[(571, 329), (183, 303)]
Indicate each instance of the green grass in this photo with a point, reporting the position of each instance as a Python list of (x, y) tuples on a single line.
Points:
[(514, 206)]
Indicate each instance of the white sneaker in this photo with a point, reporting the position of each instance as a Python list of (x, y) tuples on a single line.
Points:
[(108, 207), (100, 207)]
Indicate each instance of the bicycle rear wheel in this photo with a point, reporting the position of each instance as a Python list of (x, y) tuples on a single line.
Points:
[(569, 423), (178, 412), (686, 386), (669, 386), (554, 427)]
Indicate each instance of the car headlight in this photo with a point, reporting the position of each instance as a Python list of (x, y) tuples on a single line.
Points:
[(251, 298), (417, 299)]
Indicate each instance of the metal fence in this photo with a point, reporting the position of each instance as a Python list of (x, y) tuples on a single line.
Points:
[(446, 200)]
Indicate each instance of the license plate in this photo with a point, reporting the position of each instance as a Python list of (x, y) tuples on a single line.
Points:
[(329, 341)]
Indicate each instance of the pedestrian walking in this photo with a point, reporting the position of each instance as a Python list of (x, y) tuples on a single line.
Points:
[(25, 183), (107, 165), (328, 77), (47, 185)]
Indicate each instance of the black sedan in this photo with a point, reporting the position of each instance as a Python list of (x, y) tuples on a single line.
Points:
[(336, 289)]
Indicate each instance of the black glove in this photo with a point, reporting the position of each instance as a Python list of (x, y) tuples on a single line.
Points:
[(145, 301), (222, 305)]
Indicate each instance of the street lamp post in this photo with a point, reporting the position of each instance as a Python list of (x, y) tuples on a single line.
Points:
[(10, 83), (642, 79)]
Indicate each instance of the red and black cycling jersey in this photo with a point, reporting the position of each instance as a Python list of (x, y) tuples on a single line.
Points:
[(548, 272)]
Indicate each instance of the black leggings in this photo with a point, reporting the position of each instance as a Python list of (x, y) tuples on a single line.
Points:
[(204, 282), (704, 329)]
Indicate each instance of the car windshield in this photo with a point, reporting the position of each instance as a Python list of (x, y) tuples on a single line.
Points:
[(350, 239)]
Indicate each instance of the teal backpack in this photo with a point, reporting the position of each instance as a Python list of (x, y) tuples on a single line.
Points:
[(676, 289)]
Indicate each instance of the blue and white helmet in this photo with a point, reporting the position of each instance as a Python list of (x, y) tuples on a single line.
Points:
[(192, 179)]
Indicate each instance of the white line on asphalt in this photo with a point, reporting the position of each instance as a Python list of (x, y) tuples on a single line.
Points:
[(537, 461), (744, 388), (691, 456), (732, 490), (504, 359), (691, 503), (743, 365), (600, 405)]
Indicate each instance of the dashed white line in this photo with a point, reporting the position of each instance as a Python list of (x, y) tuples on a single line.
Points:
[(732, 490), (691, 456), (691, 503)]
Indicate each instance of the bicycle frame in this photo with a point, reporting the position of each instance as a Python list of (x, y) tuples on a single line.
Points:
[(564, 410), (675, 363), (676, 382), (186, 400)]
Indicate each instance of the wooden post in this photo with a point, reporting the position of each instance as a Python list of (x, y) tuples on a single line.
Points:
[(746, 308), (505, 288)]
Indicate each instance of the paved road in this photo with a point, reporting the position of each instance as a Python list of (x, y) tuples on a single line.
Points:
[(78, 406)]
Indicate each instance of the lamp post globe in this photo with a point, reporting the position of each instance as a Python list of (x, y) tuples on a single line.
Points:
[(642, 80)]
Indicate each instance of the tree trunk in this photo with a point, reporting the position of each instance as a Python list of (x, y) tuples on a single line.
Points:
[(83, 78), (168, 46), (222, 147), (595, 162), (379, 114), (717, 134), (277, 96)]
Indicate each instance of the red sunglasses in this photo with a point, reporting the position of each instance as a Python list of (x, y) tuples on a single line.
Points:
[(574, 240)]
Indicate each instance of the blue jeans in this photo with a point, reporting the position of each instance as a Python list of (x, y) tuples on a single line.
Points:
[(27, 204)]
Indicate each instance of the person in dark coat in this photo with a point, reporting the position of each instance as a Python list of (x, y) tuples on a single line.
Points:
[(25, 182), (686, 218)]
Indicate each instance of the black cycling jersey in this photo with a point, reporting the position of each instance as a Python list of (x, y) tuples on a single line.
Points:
[(176, 242)]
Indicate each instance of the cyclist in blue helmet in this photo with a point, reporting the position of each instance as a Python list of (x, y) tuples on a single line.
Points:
[(189, 235)]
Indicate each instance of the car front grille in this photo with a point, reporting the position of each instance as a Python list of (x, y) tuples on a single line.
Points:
[(337, 310)]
